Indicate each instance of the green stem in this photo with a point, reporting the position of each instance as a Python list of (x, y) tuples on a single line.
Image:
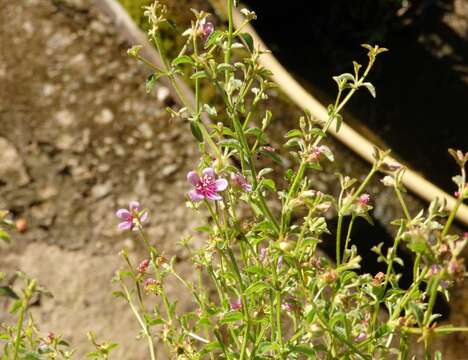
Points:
[(19, 328), (144, 327), (338, 238)]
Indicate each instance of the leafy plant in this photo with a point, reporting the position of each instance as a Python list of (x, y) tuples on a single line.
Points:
[(275, 295)]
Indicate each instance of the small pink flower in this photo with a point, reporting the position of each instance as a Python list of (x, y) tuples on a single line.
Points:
[(268, 148), (151, 286), (207, 186), (364, 199), (235, 304), (239, 180), (433, 270), (132, 217), (286, 306), (206, 28), (362, 336), (262, 253), (280, 262), (465, 235), (143, 266)]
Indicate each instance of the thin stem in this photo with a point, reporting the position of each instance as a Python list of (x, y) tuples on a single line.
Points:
[(338, 238), (19, 328), (144, 327)]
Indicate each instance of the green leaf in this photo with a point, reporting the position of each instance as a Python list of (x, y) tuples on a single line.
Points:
[(212, 346), (294, 133), (196, 132), (369, 87), (269, 183), (255, 288), (248, 40), (305, 350), (214, 36), (198, 75), (276, 158), (231, 143), (118, 294), (417, 312), (151, 81), (232, 316), (254, 269), (269, 346), (7, 291), (184, 59), (4, 236)]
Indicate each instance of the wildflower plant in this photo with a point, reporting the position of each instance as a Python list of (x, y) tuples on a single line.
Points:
[(274, 295)]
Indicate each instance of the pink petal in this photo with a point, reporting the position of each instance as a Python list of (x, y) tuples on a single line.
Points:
[(247, 187), (195, 195), (221, 184), (214, 197), (144, 217), (209, 172), (134, 205), (124, 214), (126, 225), (193, 178)]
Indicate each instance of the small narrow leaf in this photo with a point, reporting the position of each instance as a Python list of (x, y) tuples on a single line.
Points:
[(184, 59), (7, 291), (196, 132), (370, 87), (248, 40)]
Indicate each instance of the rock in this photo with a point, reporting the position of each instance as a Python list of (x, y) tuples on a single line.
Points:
[(12, 169), (65, 118), (145, 130), (65, 142), (168, 170), (106, 116), (100, 190)]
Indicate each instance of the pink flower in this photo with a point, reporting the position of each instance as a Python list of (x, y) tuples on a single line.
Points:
[(143, 266), (235, 304), (207, 186), (262, 253), (456, 194), (132, 217), (206, 28), (239, 180), (286, 306), (280, 262), (364, 199), (151, 286), (362, 336)]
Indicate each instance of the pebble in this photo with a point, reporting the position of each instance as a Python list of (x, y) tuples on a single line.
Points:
[(100, 190), (12, 169), (106, 116), (65, 118)]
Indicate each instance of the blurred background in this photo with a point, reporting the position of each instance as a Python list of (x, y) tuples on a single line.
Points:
[(79, 136)]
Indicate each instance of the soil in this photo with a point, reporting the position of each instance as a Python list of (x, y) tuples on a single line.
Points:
[(79, 138)]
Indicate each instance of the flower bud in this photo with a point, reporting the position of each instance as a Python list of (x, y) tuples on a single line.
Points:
[(143, 266), (388, 181)]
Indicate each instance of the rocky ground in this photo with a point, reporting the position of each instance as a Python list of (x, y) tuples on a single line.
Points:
[(79, 138)]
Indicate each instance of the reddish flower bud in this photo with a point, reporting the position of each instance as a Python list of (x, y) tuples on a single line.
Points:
[(364, 199), (143, 266)]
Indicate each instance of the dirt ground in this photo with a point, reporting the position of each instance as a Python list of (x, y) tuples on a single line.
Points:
[(79, 138)]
